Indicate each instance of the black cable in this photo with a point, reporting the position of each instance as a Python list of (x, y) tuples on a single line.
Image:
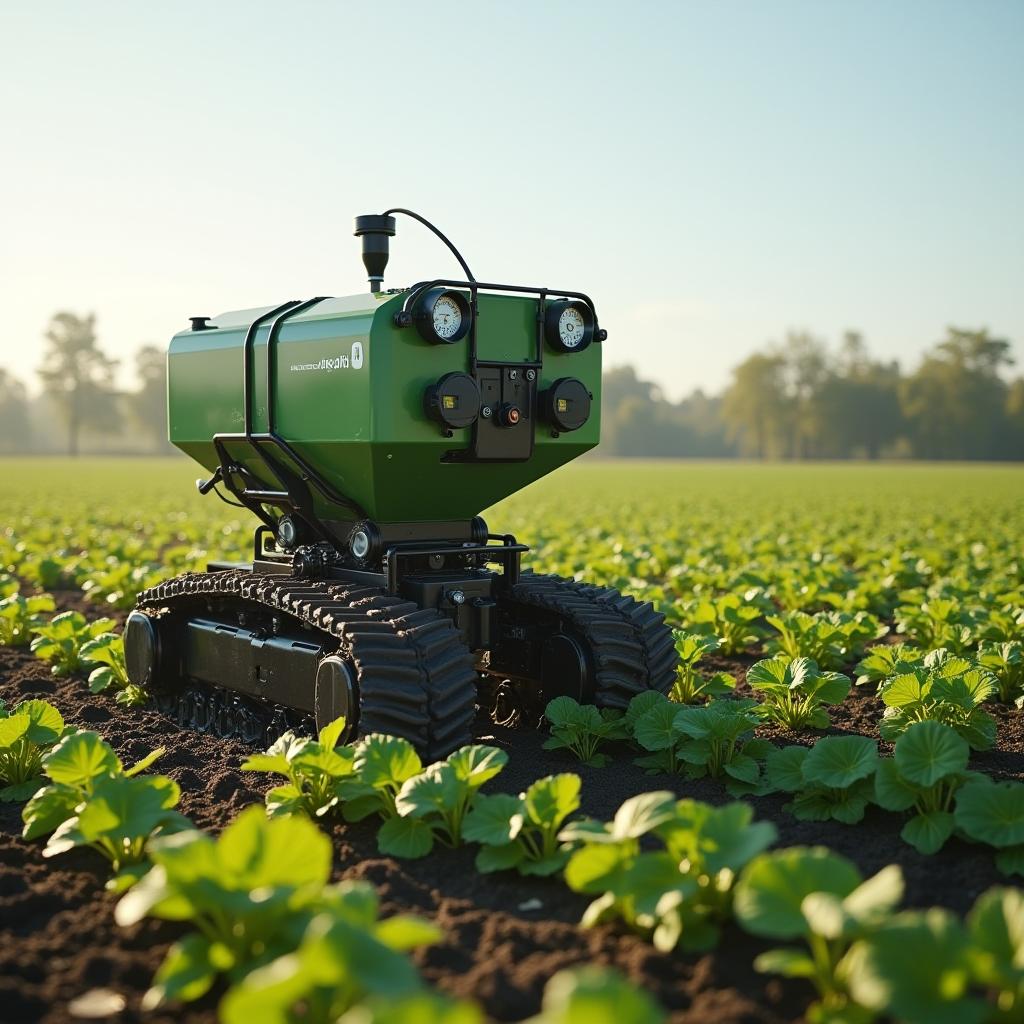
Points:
[(228, 501), (444, 238)]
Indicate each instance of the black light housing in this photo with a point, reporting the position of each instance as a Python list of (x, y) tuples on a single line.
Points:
[(566, 404), (454, 401), (375, 229)]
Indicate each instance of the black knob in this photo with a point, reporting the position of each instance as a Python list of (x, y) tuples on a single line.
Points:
[(201, 323)]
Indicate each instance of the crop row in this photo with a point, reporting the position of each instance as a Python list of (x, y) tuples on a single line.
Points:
[(266, 919)]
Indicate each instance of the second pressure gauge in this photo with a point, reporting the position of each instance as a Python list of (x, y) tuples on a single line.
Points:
[(569, 325), (442, 316)]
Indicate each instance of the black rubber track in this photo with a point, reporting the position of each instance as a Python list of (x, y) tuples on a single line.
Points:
[(415, 675), (632, 648)]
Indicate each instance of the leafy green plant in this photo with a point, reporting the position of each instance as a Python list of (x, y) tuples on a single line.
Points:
[(796, 691), (801, 635), (521, 832), (20, 616), (256, 894), (938, 623), (107, 653), (381, 766), (75, 766), (678, 894), (993, 813), (26, 734), (582, 728), (946, 689), (714, 739), (689, 685), (995, 927), (60, 641), (433, 805), (821, 898), (831, 780), (1006, 662), (733, 618), (595, 995), (883, 661), (315, 770), (928, 766), (346, 954), (915, 968), (120, 817)]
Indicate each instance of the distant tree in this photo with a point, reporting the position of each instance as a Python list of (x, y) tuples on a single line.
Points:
[(148, 404), (806, 371), (1015, 420), (755, 406), (79, 377), (955, 402), (14, 418), (860, 402)]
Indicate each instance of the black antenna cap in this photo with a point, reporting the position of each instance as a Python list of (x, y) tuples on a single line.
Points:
[(375, 229)]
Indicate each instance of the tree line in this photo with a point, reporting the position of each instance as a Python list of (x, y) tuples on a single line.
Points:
[(803, 400), (797, 400)]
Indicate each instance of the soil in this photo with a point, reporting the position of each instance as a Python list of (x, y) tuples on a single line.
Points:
[(58, 939)]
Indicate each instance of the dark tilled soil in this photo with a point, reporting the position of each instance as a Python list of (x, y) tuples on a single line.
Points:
[(58, 938)]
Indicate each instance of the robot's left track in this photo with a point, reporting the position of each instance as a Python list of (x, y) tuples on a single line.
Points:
[(413, 674)]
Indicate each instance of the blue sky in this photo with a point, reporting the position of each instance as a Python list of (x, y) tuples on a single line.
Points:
[(711, 173)]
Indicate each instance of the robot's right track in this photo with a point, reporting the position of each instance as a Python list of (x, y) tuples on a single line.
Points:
[(416, 677)]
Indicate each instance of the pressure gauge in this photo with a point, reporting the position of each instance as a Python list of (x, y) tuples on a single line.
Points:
[(447, 317), (569, 325), (441, 316)]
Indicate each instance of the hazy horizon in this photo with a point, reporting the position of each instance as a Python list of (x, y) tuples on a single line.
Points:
[(712, 174)]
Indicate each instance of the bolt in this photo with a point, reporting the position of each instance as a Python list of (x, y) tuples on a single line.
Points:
[(458, 596), (531, 374), (486, 412), (513, 375)]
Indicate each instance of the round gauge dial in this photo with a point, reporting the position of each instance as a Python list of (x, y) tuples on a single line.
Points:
[(447, 317), (569, 325), (571, 328), (442, 317)]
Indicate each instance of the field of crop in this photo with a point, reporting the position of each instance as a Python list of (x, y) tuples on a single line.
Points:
[(852, 675)]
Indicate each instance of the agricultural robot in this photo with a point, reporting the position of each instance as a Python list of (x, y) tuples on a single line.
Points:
[(366, 434)]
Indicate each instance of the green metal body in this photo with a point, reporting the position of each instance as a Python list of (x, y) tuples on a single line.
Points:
[(363, 427)]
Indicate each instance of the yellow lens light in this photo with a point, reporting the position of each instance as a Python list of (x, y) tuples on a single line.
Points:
[(448, 401)]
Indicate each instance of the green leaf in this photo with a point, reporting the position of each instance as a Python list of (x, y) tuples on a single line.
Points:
[(656, 729), (996, 927), (280, 851), (992, 812), (915, 968), (550, 800), (595, 868), (386, 761), (476, 764), (13, 729), (186, 974), (927, 833), (331, 733), (563, 711), (592, 995), (790, 963), (839, 761), (928, 752), (45, 721), (48, 809), (494, 820), (1010, 860), (79, 758), (499, 858), (772, 888), (784, 768), (873, 900), (146, 762), (891, 791), (435, 790), (405, 837)]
